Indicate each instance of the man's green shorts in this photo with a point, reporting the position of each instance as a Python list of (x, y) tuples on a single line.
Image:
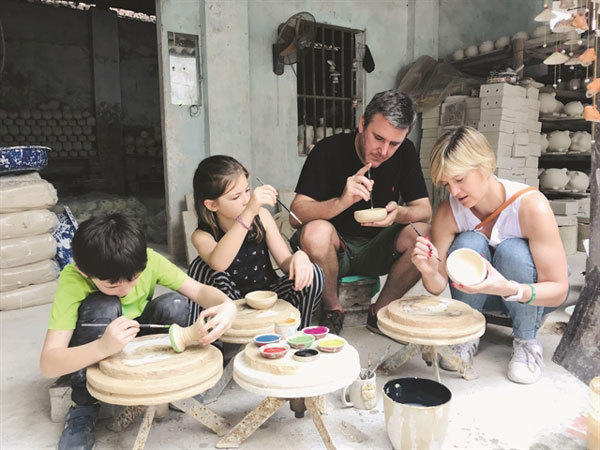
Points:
[(364, 256)]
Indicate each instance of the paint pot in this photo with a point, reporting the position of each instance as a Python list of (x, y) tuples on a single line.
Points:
[(286, 328), (263, 339), (306, 355), (274, 351), (318, 332), (593, 434), (466, 266), (301, 341), (261, 299), (362, 393), (416, 413), (330, 345)]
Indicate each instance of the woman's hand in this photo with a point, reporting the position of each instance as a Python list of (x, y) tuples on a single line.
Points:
[(118, 334), (494, 284), (218, 319), (425, 256), (301, 270), (262, 195)]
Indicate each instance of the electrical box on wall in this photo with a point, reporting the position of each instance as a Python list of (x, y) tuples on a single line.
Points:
[(184, 68)]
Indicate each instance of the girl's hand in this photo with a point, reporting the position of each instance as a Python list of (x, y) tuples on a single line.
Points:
[(494, 284), (118, 334), (424, 256), (301, 270), (262, 195), (218, 319)]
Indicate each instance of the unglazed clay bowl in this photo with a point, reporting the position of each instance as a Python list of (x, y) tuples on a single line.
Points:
[(330, 344), (274, 351), (261, 299), (318, 332), (306, 355), (268, 338), (466, 266), (370, 215), (301, 341)]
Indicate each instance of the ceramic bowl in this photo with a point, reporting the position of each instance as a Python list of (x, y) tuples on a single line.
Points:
[(274, 351), (301, 341), (317, 332), (261, 299), (330, 344), (307, 355), (267, 338), (370, 215), (466, 266)]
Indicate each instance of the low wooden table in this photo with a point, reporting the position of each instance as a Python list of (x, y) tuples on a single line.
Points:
[(429, 325), (147, 375), (301, 383)]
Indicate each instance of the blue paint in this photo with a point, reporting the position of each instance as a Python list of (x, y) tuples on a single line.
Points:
[(267, 338)]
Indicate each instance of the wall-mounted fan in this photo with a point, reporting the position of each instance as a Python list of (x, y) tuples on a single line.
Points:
[(294, 35)]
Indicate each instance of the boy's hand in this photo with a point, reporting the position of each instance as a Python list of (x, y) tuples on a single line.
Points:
[(118, 334), (358, 187), (262, 195), (218, 319), (301, 270)]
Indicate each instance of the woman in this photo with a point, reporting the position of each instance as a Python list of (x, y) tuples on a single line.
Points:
[(526, 262)]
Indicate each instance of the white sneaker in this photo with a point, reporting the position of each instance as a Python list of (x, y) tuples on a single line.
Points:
[(527, 361), (464, 351)]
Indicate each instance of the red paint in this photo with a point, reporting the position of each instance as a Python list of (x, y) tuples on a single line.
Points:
[(274, 350)]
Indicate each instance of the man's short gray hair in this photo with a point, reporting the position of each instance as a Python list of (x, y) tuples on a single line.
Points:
[(395, 106)]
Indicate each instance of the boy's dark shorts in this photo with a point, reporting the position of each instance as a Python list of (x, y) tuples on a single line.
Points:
[(364, 256)]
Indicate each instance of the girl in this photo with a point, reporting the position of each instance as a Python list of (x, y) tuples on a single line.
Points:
[(526, 262), (235, 235)]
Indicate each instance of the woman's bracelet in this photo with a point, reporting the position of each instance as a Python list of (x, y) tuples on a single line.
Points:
[(532, 298), (241, 222)]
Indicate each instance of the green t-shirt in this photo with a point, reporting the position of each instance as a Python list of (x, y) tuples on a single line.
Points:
[(73, 288)]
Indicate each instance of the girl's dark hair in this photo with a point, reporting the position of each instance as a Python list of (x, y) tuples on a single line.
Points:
[(212, 178), (111, 247)]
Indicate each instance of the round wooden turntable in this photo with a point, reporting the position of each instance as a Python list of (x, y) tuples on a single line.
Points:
[(149, 372), (430, 320), (251, 322)]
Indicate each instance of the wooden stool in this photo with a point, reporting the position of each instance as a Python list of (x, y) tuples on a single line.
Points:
[(301, 383), (429, 324), (147, 375)]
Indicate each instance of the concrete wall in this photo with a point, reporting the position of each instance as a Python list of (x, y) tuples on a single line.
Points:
[(466, 22)]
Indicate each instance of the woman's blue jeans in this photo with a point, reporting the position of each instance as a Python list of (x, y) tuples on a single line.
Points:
[(512, 258)]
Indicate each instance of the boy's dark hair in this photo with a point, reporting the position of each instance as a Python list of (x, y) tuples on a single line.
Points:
[(110, 247), (397, 107)]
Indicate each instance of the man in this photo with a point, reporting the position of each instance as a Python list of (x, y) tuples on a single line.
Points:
[(341, 175)]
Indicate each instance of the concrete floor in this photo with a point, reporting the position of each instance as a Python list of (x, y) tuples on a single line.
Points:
[(489, 412)]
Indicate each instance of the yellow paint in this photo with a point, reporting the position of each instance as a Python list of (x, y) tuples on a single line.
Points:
[(331, 343)]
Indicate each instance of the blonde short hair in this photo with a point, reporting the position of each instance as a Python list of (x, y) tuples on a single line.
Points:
[(459, 151)]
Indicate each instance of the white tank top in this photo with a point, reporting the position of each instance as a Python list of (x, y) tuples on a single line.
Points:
[(507, 225)]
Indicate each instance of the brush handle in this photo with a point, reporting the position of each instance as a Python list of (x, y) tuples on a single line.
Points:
[(283, 205), (142, 325), (417, 231)]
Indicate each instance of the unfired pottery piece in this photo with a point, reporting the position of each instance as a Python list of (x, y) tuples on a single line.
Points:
[(471, 51), (261, 299), (554, 178), (581, 141), (574, 109), (502, 42), (370, 215), (466, 266), (458, 54), (559, 141), (521, 35), (578, 181), (544, 142), (486, 46), (548, 103)]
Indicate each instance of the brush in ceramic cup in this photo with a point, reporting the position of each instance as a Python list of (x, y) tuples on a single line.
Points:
[(330, 344), (465, 266), (286, 328), (318, 332), (261, 299), (268, 338), (274, 351), (370, 215), (301, 341)]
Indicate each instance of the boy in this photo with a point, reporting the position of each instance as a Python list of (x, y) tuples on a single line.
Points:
[(112, 282)]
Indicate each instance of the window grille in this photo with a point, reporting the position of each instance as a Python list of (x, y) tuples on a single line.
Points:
[(330, 85)]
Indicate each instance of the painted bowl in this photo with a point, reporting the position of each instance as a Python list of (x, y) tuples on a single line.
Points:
[(330, 344), (370, 215), (318, 332), (267, 338), (306, 355), (301, 341), (466, 266), (261, 299), (274, 351)]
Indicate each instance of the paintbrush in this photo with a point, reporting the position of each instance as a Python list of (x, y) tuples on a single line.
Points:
[(419, 234), (282, 204), (371, 195), (142, 325)]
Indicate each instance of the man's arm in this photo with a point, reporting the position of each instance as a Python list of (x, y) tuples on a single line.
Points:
[(416, 211)]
